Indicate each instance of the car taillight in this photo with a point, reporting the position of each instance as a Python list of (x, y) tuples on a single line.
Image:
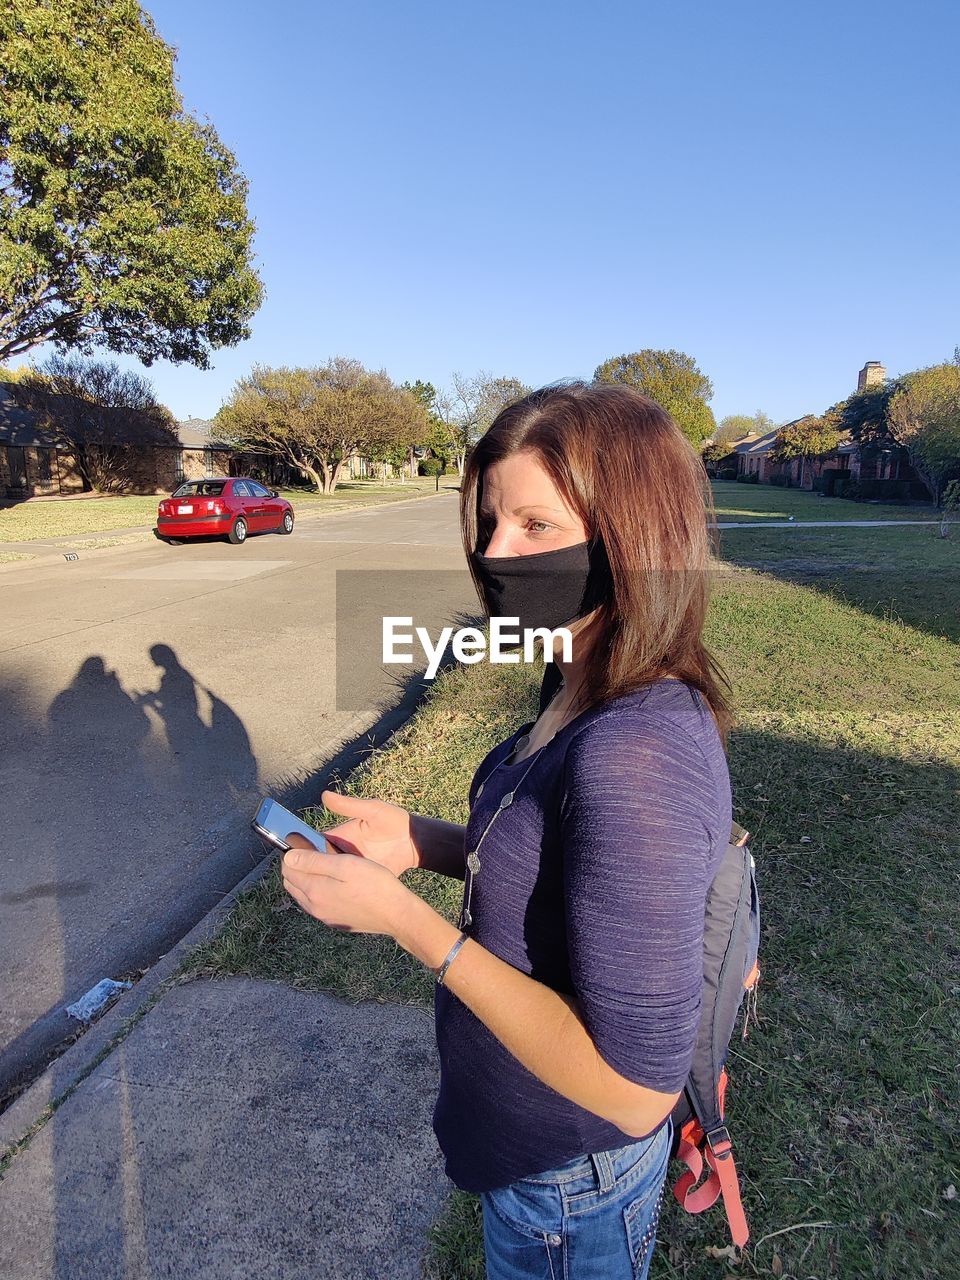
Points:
[(164, 508), (217, 507)]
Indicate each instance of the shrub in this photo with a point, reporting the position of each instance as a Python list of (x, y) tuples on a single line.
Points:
[(884, 490), (828, 479), (727, 473), (431, 467), (781, 480)]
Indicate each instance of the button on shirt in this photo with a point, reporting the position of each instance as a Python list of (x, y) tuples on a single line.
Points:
[(593, 881)]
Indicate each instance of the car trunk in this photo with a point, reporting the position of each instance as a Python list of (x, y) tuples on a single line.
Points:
[(190, 508)]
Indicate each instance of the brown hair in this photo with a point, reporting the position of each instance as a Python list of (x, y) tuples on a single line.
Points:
[(625, 467)]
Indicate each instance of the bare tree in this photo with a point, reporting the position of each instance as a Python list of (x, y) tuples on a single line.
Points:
[(470, 406), (100, 414)]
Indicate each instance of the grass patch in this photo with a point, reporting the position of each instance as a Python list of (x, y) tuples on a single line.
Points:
[(427, 767), (846, 767), (770, 502), (64, 518), (6, 557)]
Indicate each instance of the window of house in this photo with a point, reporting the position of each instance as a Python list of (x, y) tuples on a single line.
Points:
[(45, 464)]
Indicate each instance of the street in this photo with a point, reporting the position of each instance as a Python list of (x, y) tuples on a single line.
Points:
[(149, 696)]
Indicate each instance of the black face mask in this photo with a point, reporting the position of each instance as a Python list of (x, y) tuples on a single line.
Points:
[(546, 589)]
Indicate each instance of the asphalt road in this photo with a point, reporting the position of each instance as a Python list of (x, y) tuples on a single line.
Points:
[(149, 696)]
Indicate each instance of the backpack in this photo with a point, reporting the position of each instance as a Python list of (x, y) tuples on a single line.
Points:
[(731, 938), (731, 943)]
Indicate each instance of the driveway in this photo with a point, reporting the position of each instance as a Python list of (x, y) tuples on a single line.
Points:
[(149, 696)]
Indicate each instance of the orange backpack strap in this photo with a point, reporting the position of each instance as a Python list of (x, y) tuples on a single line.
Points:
[(721, 1180)]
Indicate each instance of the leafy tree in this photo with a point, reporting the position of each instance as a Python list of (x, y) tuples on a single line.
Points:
[(100, 414), (807, 438), (316, 418), (924, 416), (123, 220), (673, 380), (865, 414), (469, 408)]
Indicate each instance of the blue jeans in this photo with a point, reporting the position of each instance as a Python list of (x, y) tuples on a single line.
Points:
[(594, 1218)]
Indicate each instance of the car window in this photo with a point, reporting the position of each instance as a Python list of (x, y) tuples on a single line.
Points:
[(258, 490), (240, 489), (200, 489)]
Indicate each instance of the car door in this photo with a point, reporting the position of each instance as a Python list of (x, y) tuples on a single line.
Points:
[(248, 504), (271, 507)]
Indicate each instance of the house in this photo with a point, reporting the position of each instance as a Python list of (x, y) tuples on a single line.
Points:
[(198, 456), (860, 462), (139, 456), (29, 457)]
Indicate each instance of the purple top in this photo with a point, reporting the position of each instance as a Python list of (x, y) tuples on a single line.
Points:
[(593, 881)]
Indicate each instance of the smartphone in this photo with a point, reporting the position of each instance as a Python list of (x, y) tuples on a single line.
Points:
[(275, 823)]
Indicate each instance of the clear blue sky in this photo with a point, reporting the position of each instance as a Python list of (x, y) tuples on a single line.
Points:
[(528, 188)]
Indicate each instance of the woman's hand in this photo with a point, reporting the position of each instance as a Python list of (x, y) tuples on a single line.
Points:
[(354, 894), (377, 830)]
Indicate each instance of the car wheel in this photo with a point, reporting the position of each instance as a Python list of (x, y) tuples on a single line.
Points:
[(286, 524), (238, 531)]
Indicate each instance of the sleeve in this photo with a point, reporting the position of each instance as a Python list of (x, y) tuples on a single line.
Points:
[(638, 808)]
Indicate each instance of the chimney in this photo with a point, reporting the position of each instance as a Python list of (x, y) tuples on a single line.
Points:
[(871, 375)]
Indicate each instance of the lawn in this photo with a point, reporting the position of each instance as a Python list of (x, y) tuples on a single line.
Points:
[(846, 768), (736, 501), (72, 517)]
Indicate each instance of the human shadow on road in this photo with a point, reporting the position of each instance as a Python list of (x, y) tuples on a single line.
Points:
[(114, 804)]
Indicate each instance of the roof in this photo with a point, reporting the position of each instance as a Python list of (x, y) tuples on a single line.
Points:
[(18, 426), (753, 445), (194, 433)]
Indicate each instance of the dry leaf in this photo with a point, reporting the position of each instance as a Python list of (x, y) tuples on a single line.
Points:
[(728, 1251)]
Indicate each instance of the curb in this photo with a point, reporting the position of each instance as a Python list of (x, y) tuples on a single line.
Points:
[(69, 1070)]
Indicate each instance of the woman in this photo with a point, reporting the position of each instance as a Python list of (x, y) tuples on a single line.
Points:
[(567, 1002)]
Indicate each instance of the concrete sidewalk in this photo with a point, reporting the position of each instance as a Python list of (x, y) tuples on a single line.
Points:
[(242, 1129)]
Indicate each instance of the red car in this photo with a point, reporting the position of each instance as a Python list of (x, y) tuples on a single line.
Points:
[(235, 508)]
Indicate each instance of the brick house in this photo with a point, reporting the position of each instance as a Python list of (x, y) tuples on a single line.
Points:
[(862, 462), (36, 462)]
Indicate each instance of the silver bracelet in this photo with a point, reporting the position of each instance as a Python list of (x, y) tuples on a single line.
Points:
[(441, 972)]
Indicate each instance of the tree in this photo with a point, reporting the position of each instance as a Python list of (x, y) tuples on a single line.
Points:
[(672, 379), (865, 414), (437, 437), (316, 418), (123, 220), (808, 438), (924, 417), (100, 414), (469, 408)]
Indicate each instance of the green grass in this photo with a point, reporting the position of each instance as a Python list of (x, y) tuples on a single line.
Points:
[(70, 517), (769, 502), (846, 767), (66, 517)]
